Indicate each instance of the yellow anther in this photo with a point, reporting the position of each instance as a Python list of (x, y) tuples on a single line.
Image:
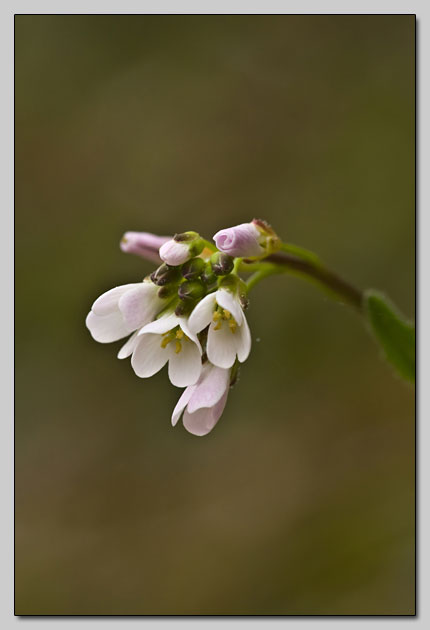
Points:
[(178, 346), (216, 316), (165, 342), (227, 314), (167, 338), (218, 326), (179, 333), (232, 325)]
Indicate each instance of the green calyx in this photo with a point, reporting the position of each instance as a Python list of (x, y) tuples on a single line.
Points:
[(222, 264), (193, 269), (193, 240), (208, 276), (165, 274), (192, 290)]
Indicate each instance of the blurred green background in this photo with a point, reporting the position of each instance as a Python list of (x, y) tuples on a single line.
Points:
[(301, 501)]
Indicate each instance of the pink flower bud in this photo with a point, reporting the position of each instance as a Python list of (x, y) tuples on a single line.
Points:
[(248, 240), (174, 253), (241, 240), (143, 244), (181, 248)]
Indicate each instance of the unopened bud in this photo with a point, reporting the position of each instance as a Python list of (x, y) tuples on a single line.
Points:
[(143, 244), (169, 290), (269, 240), (184, 308), (181, 248), (222, 264), (193, 268), (165, 275), (248, 240), (192, 290), (208, 276)]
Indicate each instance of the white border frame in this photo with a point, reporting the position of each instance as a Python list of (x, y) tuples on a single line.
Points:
[(7, 11)]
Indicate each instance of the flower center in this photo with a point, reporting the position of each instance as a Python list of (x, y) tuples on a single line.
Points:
[(176, 335), (222, 315)]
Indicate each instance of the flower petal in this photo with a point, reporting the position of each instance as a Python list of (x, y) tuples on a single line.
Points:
[(202, 314), (239, 240), (174, 253), (211, 387), (202, 421), (183, 322), (221, 348), (185, 367), (149, 357), (108, 301), (129, 346), (139, 305), (143, 244), (231, 303), (160, 326), (182, 403), (243, 341), (107, 328)]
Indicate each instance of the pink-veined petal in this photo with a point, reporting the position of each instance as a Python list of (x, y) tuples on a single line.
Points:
[(174, 253), (202, 421), (240, 240), (139, 305), (143, 244), (149, 357), (211, 387)]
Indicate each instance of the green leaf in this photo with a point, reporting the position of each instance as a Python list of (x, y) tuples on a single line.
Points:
[(395, 334)]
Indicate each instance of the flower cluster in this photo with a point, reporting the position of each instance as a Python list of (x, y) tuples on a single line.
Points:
[(189, 313)]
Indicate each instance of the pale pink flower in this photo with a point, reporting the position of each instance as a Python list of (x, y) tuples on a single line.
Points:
[(143, 244), (241, 240), (228, 334), (181, 248), (203, 403), (168, 339), (122, 310), (174, 253)]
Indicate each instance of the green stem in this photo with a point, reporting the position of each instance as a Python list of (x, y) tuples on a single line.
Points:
[(309, 269), (300, 252), (260, 274), (209, 245), (237, 264)]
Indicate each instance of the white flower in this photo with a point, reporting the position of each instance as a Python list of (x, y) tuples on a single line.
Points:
[(228, 334), (122, 310), (168, 339), (203, 402)]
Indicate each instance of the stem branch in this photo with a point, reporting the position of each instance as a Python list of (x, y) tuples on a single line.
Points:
[(316, 272)]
